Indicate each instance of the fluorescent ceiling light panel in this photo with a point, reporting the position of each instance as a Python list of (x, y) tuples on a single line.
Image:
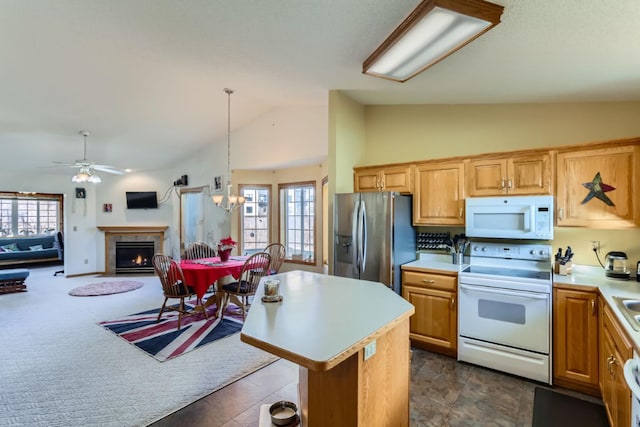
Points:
[(433, 31)]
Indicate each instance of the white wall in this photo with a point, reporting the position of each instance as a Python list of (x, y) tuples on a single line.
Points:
[(287, 135)]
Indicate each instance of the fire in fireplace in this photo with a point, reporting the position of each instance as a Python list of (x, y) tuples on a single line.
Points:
[(134, 257)]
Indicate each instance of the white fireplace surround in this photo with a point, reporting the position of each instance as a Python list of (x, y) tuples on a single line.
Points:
[(140, 233)]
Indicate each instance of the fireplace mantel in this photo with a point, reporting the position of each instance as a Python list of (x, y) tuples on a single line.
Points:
[(129, 233), (133, 228)]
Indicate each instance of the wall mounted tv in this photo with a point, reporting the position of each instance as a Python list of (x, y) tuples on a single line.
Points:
[(142, 200)]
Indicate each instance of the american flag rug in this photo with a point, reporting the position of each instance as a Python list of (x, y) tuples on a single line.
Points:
[(163, 340)]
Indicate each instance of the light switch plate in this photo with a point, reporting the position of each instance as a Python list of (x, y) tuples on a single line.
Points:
[(369, 350)]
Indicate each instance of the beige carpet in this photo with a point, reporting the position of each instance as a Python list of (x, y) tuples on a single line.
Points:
[(59, 368)]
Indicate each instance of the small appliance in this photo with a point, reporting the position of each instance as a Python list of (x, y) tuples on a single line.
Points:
[(616, 265), (510, 217)]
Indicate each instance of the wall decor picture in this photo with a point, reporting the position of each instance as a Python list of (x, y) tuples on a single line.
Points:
[(597, 188), (107, 207), (80, 193), (217, 182)]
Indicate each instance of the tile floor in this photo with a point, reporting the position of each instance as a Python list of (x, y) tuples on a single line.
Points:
[(444, 392)]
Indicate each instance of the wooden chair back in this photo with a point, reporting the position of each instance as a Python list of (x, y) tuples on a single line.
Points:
[(171, 277), (254, 268), (199, 250), (277, 252)]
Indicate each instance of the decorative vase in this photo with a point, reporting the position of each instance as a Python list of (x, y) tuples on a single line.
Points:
[(224, 254)]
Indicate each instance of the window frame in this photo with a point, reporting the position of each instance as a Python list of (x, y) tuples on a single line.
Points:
[(20, 195), (242, 212), (281, 220)]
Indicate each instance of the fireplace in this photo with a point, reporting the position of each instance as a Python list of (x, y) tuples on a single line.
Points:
[(134, 257), (139, 241)]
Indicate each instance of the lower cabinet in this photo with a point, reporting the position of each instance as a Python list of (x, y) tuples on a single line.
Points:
[(575, 339), (434, 325), (615, 349)]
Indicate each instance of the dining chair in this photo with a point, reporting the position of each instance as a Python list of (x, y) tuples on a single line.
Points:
[(277, 252), (174, 285), (197, 250), (253, 269)]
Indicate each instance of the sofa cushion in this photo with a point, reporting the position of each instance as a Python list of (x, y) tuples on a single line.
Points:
[(35, 248), (11, 247)]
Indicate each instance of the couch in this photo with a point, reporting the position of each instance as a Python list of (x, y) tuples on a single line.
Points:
[(22, 250)]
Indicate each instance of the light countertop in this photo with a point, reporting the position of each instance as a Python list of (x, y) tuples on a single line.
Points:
[(322, 319), (436, 263)]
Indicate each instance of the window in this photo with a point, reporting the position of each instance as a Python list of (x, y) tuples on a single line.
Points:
[(255, 224), (30, 214), (297, 221)]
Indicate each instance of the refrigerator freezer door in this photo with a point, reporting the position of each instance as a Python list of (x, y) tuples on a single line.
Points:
[(345, 225)]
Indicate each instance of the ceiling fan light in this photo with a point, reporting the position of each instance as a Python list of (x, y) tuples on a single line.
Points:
[(81, 176), (94, 179)]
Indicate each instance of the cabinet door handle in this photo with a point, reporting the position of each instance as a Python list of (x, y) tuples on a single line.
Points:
[(560, 213), (461, 213), (610, 361), (428, 281), (509, 183), (453, 303), (593, 307), (502, 183)]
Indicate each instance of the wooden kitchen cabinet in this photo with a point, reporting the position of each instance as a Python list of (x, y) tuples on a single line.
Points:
[(514, 175), (575, 339), (615, 349), (434, 325), (617, 166), (438, 197), (384, 178)]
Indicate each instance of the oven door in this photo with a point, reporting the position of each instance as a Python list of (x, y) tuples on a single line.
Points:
[(509, 317)]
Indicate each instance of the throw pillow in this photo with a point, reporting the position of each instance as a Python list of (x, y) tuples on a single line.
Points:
[(12, 247), (35, 248)]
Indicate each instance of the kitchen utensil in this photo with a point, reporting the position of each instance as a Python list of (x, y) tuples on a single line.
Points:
[(616, 265)]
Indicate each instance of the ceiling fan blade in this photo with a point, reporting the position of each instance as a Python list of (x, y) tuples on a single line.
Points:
[(108, 169), (71, 165)]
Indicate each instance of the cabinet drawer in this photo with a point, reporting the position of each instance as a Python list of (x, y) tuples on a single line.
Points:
[(430, 280)]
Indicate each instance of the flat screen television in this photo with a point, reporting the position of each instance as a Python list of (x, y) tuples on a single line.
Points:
[(142, 200)]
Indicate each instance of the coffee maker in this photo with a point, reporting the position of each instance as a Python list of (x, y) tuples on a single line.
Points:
[(616, 265)]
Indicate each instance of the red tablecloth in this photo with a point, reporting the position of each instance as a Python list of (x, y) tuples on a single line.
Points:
[(201, 276)]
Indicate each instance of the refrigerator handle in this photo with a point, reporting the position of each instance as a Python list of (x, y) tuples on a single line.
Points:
[(354, 237), (363, 236)]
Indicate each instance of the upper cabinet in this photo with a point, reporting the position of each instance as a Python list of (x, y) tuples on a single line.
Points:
[(598, 187), (396, 178), (438, 197), (514, 175)]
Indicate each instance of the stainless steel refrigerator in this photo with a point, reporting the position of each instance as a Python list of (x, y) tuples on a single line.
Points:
[(373, 236)]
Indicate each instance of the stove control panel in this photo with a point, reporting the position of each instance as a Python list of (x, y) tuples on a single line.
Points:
[(531, 252)]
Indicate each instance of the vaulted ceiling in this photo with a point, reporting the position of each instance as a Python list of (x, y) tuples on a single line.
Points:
[(150, 73)]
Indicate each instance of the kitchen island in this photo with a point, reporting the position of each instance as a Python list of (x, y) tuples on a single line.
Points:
[(350, 339)]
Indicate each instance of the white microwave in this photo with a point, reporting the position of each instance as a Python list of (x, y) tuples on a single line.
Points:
[(510, 217)]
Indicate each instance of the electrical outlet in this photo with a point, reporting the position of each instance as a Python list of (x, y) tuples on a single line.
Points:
[(595, 245), (369, 350)]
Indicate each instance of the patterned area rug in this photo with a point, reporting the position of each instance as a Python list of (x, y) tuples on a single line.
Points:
[(164, 341), (105, 288)]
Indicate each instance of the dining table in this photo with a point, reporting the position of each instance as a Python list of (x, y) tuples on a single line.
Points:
[(200, 274)]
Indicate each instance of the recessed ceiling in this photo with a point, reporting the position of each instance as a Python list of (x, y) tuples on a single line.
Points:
[(150, 73)]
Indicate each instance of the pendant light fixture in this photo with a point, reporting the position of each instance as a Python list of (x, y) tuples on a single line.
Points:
[(228, 202)]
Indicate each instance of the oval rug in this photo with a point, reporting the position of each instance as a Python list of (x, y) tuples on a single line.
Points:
[(105, 288)]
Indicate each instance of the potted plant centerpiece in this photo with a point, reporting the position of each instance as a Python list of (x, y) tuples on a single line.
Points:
[(225, 246)]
